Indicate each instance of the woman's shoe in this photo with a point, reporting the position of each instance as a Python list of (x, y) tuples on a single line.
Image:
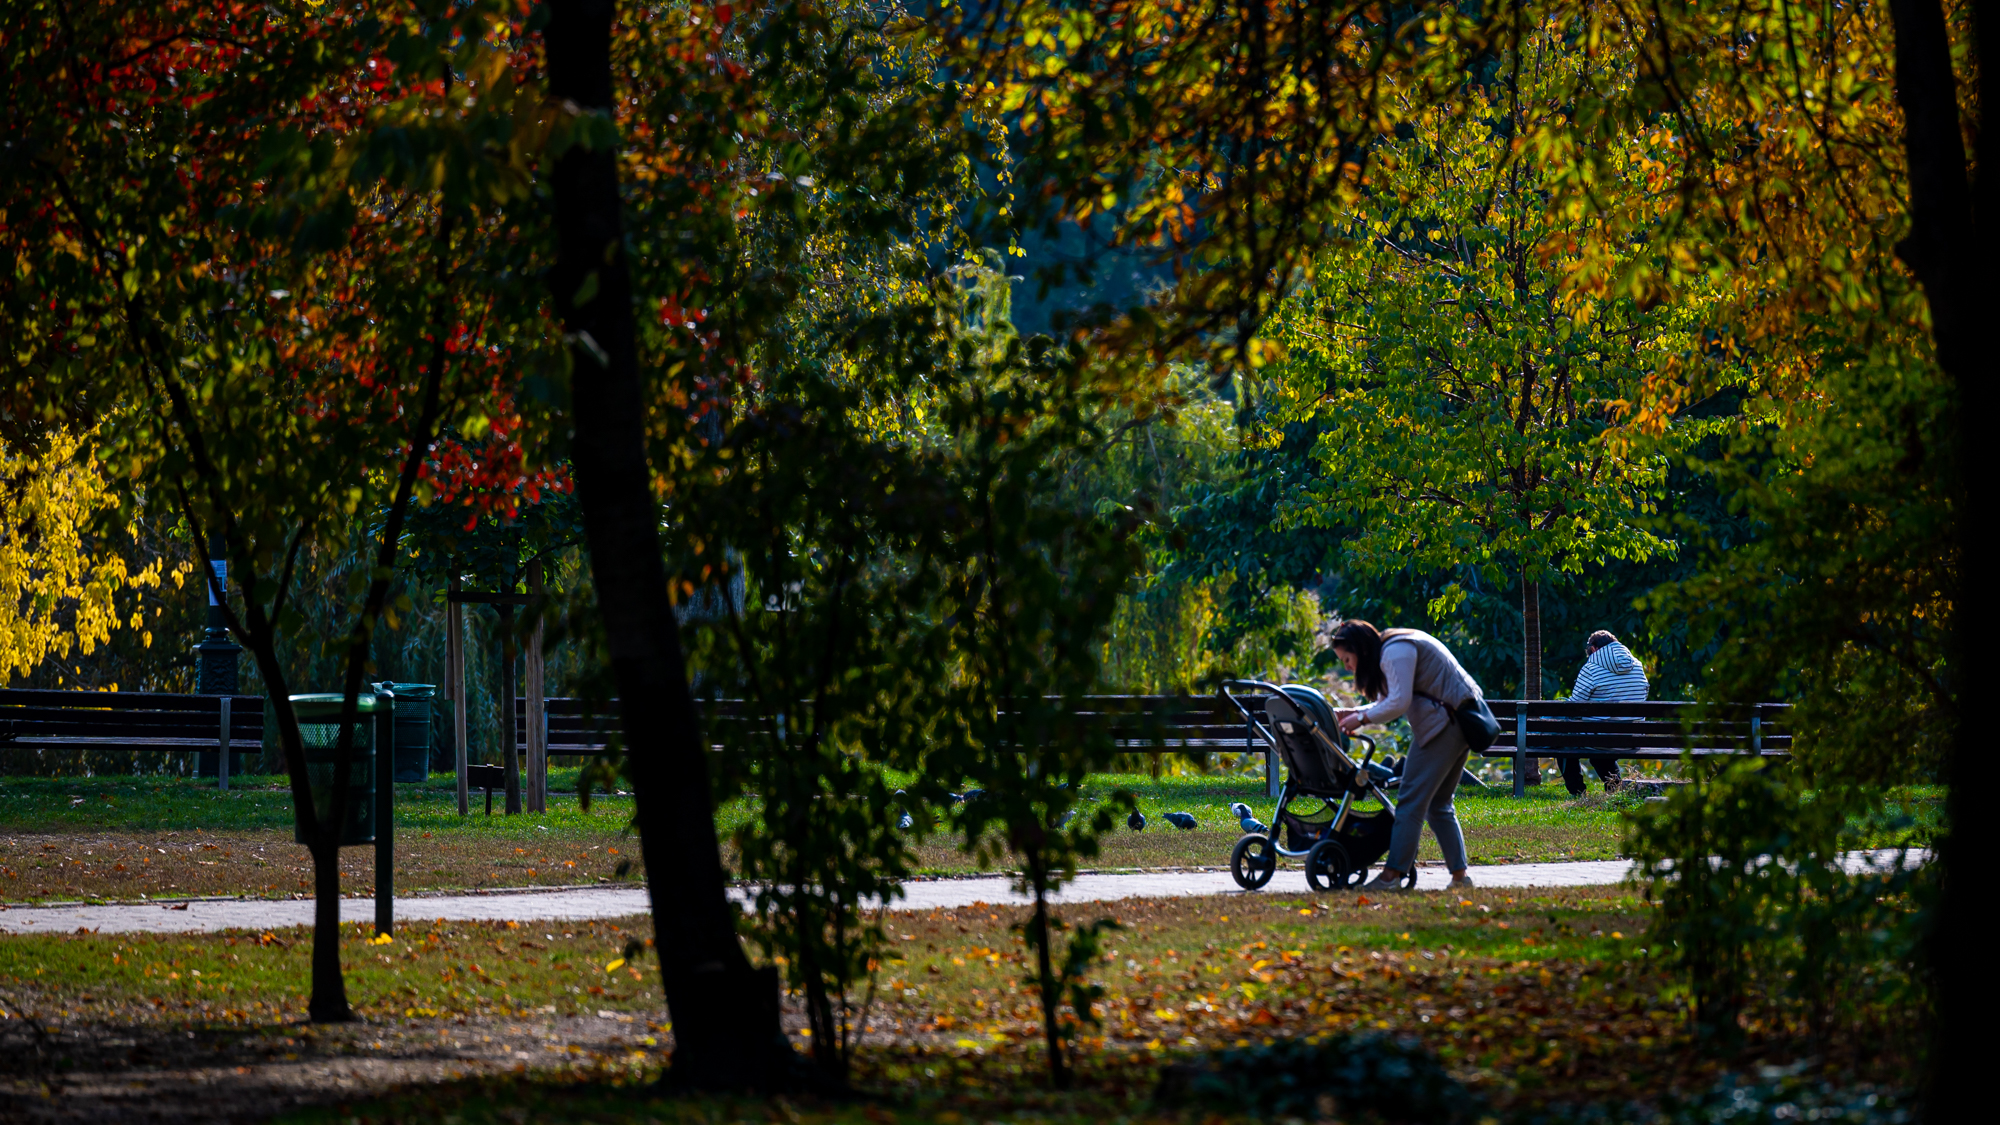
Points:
[(1462, 883), (1385, 884)]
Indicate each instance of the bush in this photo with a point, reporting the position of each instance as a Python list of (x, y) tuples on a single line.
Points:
[(1356, 1078)]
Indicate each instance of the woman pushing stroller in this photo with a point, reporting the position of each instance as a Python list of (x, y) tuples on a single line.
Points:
[(1406, 672)]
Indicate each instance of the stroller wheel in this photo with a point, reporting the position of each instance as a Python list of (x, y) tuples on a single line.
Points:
[(1330, 868), (1253, 861)]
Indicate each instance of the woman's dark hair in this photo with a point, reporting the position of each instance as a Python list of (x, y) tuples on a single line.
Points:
[(1365, 642)]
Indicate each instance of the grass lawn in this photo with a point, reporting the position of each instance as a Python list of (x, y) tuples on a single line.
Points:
[(123, 839), (1530, 999), (133, 838)]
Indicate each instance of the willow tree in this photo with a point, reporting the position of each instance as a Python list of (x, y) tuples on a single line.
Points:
[(1470, 368)]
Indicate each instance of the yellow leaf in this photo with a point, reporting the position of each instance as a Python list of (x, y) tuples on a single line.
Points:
[(614, 964)]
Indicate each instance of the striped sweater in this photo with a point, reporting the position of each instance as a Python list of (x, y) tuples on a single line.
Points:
[(1612, 675)]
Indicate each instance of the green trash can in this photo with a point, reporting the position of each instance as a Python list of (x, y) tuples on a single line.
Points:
[(319, 729), (413, 730)]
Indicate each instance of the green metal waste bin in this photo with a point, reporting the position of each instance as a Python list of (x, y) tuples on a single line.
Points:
[(319, 729), (413, 730)]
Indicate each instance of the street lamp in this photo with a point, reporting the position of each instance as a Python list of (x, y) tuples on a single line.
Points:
[(215, 661), (217, 653)]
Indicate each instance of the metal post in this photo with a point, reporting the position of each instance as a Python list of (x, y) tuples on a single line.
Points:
[(222, 756), (1272, 785), (385, 816), (1521, 748), (1756, 729), (215, 656)]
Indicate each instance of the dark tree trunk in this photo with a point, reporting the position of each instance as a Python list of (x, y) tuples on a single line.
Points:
[(1531, 658), (1951, 250), (725, 1013), (510, 746), (1059, 1072), (329, 987), (1531, 639)]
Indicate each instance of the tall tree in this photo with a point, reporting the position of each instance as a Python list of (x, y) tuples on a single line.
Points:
[(725, 1012), (1952, 244), (239, 228), (1800, 128), (1465, 359)]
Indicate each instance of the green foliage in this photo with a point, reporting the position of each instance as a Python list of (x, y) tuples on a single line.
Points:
[(1071, 983), (1755, 903), (1471, 380), (1364, 1076), (1843, 602)]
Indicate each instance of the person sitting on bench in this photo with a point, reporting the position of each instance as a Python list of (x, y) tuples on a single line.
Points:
[(1610, 674)]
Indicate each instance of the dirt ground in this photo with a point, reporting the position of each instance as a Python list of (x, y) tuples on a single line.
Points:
[(128, 866), (96, 1073)]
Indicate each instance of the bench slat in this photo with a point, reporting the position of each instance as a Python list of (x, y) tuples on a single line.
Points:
[(117, 700), (73, 742), (1660, 729), (37, 719)]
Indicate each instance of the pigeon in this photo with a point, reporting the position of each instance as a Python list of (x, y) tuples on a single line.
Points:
[(971, 795), (1137, 821), (1180, 820), (1239, 810), (1253, 825), (1064, 822), (905, 822)]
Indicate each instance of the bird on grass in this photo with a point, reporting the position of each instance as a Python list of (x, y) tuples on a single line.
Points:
[(1180, 820), (905, 822), (1137, 821), (1247, 819)]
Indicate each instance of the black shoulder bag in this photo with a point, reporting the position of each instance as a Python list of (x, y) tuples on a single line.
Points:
[(1475, 721)]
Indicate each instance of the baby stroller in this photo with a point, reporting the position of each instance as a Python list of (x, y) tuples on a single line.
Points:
[(1316, 806)]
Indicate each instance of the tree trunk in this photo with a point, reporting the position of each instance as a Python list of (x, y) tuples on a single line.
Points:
[(1950, 249), (510, 746), (1059, 1073), (1531, 658), (535, 669), (454, 679), (1531, 639), (725, 1014), (329, 987)]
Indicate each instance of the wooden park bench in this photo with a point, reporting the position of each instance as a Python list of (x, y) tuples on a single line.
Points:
[(1204, 725), (134, 721), (1657, 731), (1148, 724)]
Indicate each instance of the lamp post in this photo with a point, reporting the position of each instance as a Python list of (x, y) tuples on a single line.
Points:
[(215, 656), (216, 652)]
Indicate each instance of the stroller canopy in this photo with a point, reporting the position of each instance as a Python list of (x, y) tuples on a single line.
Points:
[(1312, 766)]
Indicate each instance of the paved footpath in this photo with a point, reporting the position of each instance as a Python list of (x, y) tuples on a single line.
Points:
[(527, 905)]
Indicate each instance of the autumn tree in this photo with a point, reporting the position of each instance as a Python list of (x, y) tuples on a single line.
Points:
[(244, 228), (1465, 357), (498, 517), (725, 1012), (57, 593), (1824, 169)]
